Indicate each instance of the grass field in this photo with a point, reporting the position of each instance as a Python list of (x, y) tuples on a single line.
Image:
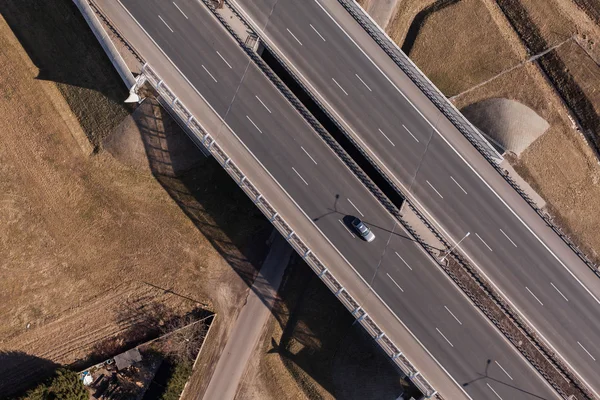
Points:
[(456, 60), (85, 236), (400, 23), (65, 51)]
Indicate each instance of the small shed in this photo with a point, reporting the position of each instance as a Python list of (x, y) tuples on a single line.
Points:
[(127, 359)]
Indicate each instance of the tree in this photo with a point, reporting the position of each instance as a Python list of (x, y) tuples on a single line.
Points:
[(180, 373), (65, 385)]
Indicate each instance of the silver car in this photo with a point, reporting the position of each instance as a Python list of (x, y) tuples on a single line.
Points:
[(363, 230)]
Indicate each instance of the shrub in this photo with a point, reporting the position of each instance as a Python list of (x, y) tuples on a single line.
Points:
[(65, 385), (180, 375)]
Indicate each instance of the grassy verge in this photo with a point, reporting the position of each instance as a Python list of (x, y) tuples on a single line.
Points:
[(455, 59), (62, 46)]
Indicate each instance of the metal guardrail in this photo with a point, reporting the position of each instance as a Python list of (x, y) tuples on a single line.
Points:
[(470, 133), (205, 143), (420, 80), (205, 140), (458, 120), (498, 301)]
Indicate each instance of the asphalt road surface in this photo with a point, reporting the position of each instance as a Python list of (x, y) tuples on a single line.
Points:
[(428, 157), (476, 355), (250, 323)]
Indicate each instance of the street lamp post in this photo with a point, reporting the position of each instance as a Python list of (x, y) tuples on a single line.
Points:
[(455, 246)]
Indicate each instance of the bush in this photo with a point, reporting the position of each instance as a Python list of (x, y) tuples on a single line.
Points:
[(180, 375), (65, 385)]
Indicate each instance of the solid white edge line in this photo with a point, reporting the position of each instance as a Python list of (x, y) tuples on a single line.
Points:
[(167, 25), (483, 241), (424, 210), (493, 191), (411, 134), (433, 219), (300, 176), (345, 227), (584, 349), (340, 86), (264, 105), (175, 4), (559, 292), (428, 257), (405, 263), (458, 184), (208, 72), (534, 296), (363, 82), (492, 389), (395, 283), (507, 374), (356, 208), (440, 332), (438, 193), (317, 32), (360, 277), (505, 235), (224, 60), (451, 313), (294, 36), (309, 156), (385, 136)]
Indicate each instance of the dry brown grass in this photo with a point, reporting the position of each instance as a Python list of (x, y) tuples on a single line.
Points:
[(553, 26), (311, 350), (95, 330), (560, 166), (405, 14), (455, 59), (77, 230), (584, 71), (65, 51)]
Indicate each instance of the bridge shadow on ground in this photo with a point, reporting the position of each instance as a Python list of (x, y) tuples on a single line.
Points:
[(53, 31), (64, 49), (315, 335), (204, 192), (223, 213)]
